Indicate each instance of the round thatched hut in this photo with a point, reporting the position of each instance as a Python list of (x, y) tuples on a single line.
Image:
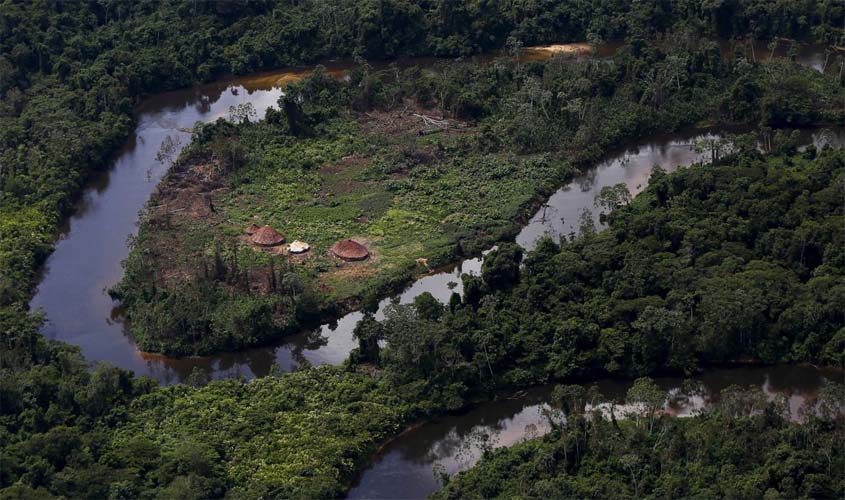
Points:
[(251, 229), (266, 236), (350, 250), (298, 247)]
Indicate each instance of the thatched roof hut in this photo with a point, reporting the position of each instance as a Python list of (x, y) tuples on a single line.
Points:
[(298, 247), (251, 229), (350, 250), (266, 236)]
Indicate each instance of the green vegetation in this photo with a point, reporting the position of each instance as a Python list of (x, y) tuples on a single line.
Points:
[(738, 260), (369, 176), (107, 435), (301, 435), (64, 426), (71, 73), (354, 159), (745, 447)]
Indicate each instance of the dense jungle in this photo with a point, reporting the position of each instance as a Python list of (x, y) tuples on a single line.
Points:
[(438, 141)]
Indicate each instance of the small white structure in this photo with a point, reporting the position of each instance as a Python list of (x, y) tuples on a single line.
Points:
[(299, 247)]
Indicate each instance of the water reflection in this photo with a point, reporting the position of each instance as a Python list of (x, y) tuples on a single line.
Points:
[(86, 261), (405, 467), (559, 217), (816, 56)]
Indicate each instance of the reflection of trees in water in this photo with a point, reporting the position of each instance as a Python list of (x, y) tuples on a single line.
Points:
[(241, 364), (827, 137), (456, 443), (257, 362), (203, 105), (587, 180), (169, 148), (260, 360), (476, 443), (691, 397), (798, 379), (439, 442), (203, 98), (551, 222), (200, 98), (117, 316), (457, 451), (633, 150), (309, 340), (462, 442), (172, 371), (448, 448)]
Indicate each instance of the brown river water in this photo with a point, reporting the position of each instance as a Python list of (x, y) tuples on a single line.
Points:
[(93, 242)]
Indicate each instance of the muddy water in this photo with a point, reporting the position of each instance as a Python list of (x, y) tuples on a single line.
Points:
[(87, 257), (405, 467)]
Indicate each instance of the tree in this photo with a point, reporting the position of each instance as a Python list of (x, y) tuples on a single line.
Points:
[(369, 333), (297, 121), (427, 307), (242, 113), (666, 333), (410, 343), (293, 284), (586, 224), (716, 146), (500, 268), (647, 400), (170, 147), (572, 398), (613, 197), (735, 401)]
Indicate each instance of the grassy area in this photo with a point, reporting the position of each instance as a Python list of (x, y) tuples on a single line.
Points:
[(371, 177), (302, 435), (403, 195)]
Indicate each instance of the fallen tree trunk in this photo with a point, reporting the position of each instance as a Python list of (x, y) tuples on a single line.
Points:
[(433, 122)]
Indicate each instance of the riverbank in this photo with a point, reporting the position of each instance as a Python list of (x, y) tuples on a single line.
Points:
[(587, 320), (185, 421)]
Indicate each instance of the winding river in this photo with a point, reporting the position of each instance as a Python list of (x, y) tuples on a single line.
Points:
[(93, 242)]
